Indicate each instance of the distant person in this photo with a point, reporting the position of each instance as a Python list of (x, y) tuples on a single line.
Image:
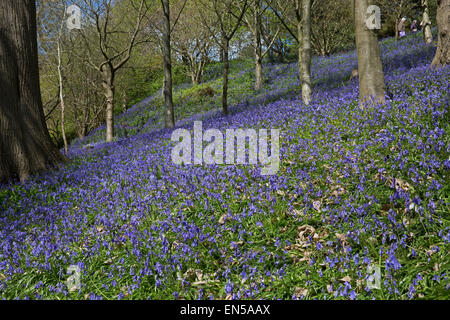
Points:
[(414, 26), (401, 28)]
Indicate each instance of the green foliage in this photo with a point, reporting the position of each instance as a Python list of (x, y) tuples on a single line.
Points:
[(206, 92), (147, 81)]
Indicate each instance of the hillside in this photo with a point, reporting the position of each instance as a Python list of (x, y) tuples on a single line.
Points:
[(356, 188)]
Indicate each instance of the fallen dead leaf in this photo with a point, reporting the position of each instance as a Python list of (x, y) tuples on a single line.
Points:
[(304, 231), (175, 244), (380, 176), (316, 205), (193, 274), (296, 212), (100, 229), (204, 282), (306, 257), (300, 292), (222, 219), (237, 243), (337, 191), (399, 184), (341, 236), (359, 284), (73, 289), (124, 291), (436, 267)]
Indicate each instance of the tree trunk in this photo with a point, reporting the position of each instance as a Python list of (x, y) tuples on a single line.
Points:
[(83, 126), (226, 67), (125, 105), (168, 100), (426, 23), (258, 73), (185, 57), (397, 21), (194, 78), (281, 55), (108, 84), (25, 144), (61, 94), (196, 71), (306, 52), (370, 68), (82, 133), (300, 48), (299, 36), (258, 45), (221, 54), (442, 56)]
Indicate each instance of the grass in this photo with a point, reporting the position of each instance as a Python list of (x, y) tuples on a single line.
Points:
[(356, 188)]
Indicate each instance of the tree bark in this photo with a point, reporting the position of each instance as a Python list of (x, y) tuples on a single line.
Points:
[(25, 144), (61, 97), (111, 59), (194, 79), (306, 52), (168, 100), (426, 23), (125, 104), (221, 54), (197, 69), (60, 78), (226, 68), (225, 12), (442, 56), (108, 83), (300, 48), (257, 45), (370, 68), (258, 73), (299, 36), (397, 21)]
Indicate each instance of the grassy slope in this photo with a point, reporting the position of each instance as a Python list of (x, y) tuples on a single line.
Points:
[(139, 226)]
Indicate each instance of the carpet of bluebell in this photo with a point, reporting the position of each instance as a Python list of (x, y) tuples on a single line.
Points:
[(357, 187)]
